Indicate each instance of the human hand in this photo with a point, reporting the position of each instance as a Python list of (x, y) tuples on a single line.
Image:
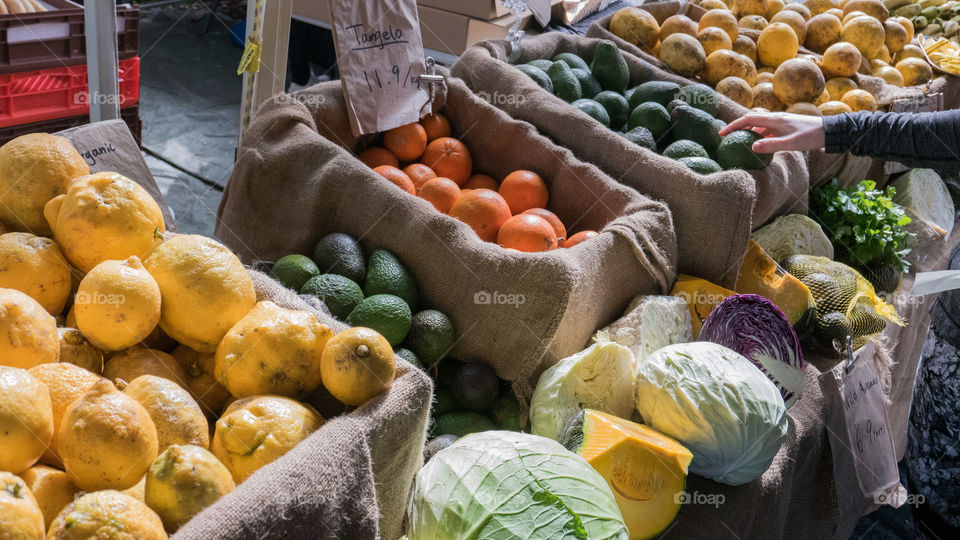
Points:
[(781, 131)]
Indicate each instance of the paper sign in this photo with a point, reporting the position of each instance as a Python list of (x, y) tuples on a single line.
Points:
[(935, 282), (913, 104), (380, 57)]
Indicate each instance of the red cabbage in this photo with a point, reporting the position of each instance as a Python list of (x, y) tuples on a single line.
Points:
[(756, 328)]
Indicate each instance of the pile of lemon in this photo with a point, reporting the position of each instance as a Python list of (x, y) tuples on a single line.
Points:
[(140, 378)]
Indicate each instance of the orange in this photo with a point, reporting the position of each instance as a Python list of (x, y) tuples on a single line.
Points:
[(406, 142), (579, 237), (552, 219), (449, 158), (524, 190), (66, 383), (397, 177), (527, 232), (484, 210), (376, 156), (436, 125), (419, 173), (440, 192), (482, 181)]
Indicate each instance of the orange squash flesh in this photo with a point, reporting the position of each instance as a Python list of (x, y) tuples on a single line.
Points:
[(701, 296), (759, 274)]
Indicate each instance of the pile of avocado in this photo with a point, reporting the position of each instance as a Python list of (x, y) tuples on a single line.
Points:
[(387, 302), (469, 398), (661, 116)]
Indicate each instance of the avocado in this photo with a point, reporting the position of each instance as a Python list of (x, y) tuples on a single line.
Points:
[(572, 60), (446, 372), (538, 75), (662, 92), (340, 294), (674, 104), (409, 356), (830, 327), (695, 125), (461, 423), (506, 413), (865, 320), (589, 87), (719, 124), (609, 67), (442, 401), (565, 83), (541, 63), (685, 148), (339, 253), (701, 165), (700, 96), (885, 278), (475, 386), (294, 270), (641, 136), (387, 275), (617, 107), (594, 110), (437, 444), (385, 313), (822, 286), (736, 152), (432, 335), (628, 93), (652, 116)]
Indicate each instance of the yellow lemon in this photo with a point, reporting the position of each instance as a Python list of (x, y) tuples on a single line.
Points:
[(860, 100), (107, 515), (777, 44), (175, 414), (915, 71), (357, 365), (52, 489), (205, 388), (26, 419), (272, 350), (66, 384), (204, 287), (117, 304), (838, 86), (104, 216), (138, 489), (865, 33), (28, 334), (77, 350), (183, 481), (20, 515), (129, 364), (34, 265), (257, 430), (35, 168), (107, 439), (831, 108)]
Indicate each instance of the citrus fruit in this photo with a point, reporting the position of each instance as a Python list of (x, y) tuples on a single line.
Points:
[(860, 100), (294, 270), (763, 96), (636, 26), (865, 33), (52, 488), (204, 290), (419, 174), (527, 232), (895, 35), (26, 419), (683, 54), (272, 350), (257, 430), (35, 168), (385, 313), (890, 75), (799, 8), (773, 7), (440, 192), (558, 228), (823, 30), (915, 71), (722, 19), (20, 515), (713, 38), (746, 47), (524, 190), (66, 383), (35, 265), (578, 238), (137, 490), (677, 24), (432, 335), (841, 60), (77, 350), (777, 44), (436, 126), (406, 142), (376, 156), (833, 107), (338, 293), (725, 63), (182, 481), (477, 181), (206, 390), (107, 515), (449, 158), (107, 439), (748, 7), (794, 20), (104, 216), (753, 22), (397, 177), (28, 333), (838, 86), (736, 89), (117, 304), (131, 363), (483, 210), (797, 80), (176, 416), (357, 365)]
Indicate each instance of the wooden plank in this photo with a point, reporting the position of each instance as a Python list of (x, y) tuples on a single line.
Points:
[(268, 23)]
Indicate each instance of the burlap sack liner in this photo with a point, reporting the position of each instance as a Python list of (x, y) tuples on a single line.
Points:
[(349, 479), (296, 180)]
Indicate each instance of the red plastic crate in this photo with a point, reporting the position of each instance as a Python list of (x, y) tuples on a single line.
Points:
[(47, 94)]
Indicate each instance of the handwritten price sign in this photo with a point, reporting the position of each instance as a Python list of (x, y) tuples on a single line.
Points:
[(380, 56)]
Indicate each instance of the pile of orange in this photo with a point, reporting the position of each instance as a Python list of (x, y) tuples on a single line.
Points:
[(425, 161)]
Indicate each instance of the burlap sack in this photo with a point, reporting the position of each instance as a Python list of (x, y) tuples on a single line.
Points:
[(349, 479), (296, 180), (713, 215)]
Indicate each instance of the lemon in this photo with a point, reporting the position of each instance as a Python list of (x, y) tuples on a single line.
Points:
[(66, 383), (52, 489), (204, 288), (117, 304), (129, 364), (107, 515), (272, 350), (184, 480), (107, 439), (28, 334), (257, 430), (138, 489), (34, 265), (20, 516), (35, 168), (357, 364), (104, 216), (175, 414), (26, 419), (205, 388), (77, 350)]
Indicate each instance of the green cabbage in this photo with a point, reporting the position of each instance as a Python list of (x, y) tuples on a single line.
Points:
[(599, 377), (716, 403), (925, 198), (505, 485), (793, 234)]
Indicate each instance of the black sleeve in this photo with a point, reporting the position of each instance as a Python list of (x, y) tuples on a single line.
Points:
[(930, 140)]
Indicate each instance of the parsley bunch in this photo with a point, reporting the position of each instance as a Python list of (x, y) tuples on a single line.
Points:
[(864, 224)]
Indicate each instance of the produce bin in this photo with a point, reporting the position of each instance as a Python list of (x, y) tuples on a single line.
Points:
[(130, 116), (712, 214), (296, 179)]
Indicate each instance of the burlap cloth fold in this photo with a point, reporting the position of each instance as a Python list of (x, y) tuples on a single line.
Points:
[(718, 210)]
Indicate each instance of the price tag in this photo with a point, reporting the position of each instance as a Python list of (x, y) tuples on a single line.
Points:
[(380, 58)]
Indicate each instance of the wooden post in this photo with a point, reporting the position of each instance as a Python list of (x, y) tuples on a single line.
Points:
[(268, 23), (100, 27)]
